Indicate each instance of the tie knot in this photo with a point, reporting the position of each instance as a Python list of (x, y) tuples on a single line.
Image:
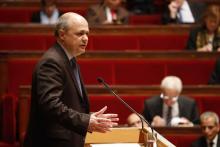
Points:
[(73, 61)]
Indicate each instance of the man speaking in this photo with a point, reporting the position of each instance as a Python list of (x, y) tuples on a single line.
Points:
[(59, 115)]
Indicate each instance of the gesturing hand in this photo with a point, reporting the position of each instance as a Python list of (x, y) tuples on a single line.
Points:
[(100, 122)]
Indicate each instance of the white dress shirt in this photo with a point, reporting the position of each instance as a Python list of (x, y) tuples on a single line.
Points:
[(185, 15), (49, 20), (214, 141)]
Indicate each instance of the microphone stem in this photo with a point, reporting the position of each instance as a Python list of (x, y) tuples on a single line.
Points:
[(130, 108)]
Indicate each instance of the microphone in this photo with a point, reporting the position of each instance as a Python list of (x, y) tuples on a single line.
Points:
[(100, 80)]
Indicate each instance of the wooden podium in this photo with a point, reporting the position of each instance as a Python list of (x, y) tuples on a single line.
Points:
[(127, 135)]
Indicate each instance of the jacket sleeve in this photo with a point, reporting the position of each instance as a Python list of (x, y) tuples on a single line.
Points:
[(146, 112), (50, 83), (191, 42)]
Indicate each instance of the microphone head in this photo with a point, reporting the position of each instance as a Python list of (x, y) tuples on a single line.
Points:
[(100, 80)]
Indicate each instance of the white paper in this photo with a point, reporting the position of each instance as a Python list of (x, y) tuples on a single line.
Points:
[(117, 145)]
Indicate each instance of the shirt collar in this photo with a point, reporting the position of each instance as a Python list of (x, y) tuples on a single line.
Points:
[(214, 141), (65, 50)]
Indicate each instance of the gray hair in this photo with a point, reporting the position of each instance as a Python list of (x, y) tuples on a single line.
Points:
[(171, 82), (62, 24), (209, 114)]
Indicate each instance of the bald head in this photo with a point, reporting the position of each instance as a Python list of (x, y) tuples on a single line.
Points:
[(72, 33), (67, 19)]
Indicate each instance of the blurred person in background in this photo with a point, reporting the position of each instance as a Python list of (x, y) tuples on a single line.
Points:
[(140, 6), (210, 129), (134, 120), (48, 14), (170, 108), (206, 37), (215, 76), (182, 12), (107, 12)]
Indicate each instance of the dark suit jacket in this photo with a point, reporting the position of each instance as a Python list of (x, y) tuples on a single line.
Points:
[(59, 113), (96, 15), (191, 43), (215, 77), (195, 7), (201, 142), (187, 108)]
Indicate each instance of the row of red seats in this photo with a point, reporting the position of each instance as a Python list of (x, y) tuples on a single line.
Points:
[(23, 15), (10, 115), (98, 42), (205, 103), (9, 129), (126, 71)]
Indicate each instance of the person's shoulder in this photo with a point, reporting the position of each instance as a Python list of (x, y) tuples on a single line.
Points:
[(96, 7), (35, 17), (186, 99), (124, 10), (201, 141), (153, 99)]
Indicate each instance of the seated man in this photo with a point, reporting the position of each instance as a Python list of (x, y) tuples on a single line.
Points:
[(182, 11), (170, 108), (108, 12), (210, 128)]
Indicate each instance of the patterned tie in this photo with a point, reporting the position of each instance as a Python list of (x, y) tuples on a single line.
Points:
[(76, 73), (169, 115)]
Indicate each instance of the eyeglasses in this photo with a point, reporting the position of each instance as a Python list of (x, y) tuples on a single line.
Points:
[(208, 127), (167, 97)]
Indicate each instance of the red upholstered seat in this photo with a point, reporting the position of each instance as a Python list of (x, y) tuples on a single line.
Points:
[(114, 42), (163, 42), (139, 72), (26, 42), (9, 121), (210, 104), (20, 73), (182, 140), (15, 14), (97, 42), (120, 71), (145, 19), (191, 71), (23, 14), (91, 70)]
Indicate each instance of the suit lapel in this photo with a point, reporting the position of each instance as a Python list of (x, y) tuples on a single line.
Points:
[(159, 108), (181, 111), (218, 141), (68, 67)]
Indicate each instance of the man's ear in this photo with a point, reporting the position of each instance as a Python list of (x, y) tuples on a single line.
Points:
[(218, 127), (61, 34)]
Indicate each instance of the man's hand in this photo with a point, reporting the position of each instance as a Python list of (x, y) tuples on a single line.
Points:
[(158, 121), (100, 122), (173, 7)]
